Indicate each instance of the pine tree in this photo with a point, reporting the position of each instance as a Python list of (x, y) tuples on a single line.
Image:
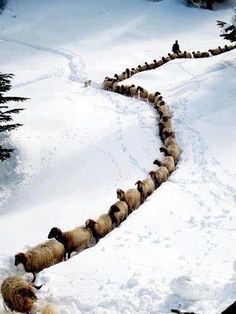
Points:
[(206, 4), (5, 115), (229, 31)]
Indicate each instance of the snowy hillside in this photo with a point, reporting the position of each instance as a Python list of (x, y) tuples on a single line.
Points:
[(78, 145)]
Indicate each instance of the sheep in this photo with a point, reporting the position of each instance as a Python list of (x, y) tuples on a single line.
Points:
[(215, 51), (143, 92), (133, 90), (152, 96), (157, 100), (146, 188), (118, 212), (125, 90), (108, 83), (166, 132), (101, 227), (170, 140), (205, 54), (165, 59), (181, 55), (133, 71), (167, 162), (142, 67), (131, 197), (187, 55), (42, 256), (158, 63), (19, 295), (50, 309), (165, 122), (228, 48), (196, 54), (173, 55), (152, 66), (87, 83), (159, 176), (125, 75), (115, 87), (171, 150), (122, 89), (119, 77), (163, 109), (128, 73), (75, 240)]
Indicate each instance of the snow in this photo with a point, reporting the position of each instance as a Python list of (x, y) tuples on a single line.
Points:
[(79, 144)]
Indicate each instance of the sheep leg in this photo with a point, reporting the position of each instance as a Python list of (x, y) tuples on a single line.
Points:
[(38, 287), (34, 277)]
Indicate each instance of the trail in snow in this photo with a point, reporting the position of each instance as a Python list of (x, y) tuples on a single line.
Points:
[(98, 280), (75, 65)]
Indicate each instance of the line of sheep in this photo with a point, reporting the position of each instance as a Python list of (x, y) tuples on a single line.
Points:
[(17, 293)]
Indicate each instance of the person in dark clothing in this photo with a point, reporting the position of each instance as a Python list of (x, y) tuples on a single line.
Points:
[(175, 47)]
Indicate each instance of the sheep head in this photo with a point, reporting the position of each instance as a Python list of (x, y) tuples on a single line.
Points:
[(163, 149), (120, 194), (55, 233), (90, 223), (168, 132), (139, 184), (165, 118), (157, 94), (20, 258), (153, 175), (157, 162)]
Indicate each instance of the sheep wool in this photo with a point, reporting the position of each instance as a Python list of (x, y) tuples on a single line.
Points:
[(159, 176), (131, 197), (167, 162), (118, 212), (42, 256), (17, 294), (74, 240), (101, 227), (146, 188)]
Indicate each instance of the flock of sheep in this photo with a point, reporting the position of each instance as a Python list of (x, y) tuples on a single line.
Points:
[(18, 294)]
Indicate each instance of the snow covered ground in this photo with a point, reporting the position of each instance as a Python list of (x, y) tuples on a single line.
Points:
[(79, 144)]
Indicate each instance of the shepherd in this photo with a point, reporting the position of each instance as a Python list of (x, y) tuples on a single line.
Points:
[(175, 47)]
